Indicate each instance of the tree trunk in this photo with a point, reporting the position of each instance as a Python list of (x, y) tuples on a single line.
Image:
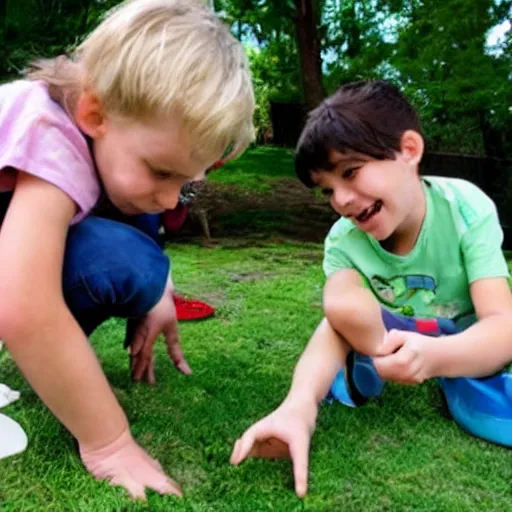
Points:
[(309, 53)]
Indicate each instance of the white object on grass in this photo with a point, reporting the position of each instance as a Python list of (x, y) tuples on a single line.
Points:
[(7, 395), (13, 439)]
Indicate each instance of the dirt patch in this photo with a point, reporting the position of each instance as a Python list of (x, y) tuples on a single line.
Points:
[(288, 211), (214, 298), (249, 276)]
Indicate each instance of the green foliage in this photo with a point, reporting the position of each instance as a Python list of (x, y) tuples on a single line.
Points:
[(262, 121), (458, 86), (437, 51), (31, 29), (355, 41), (268, 30), (271, 68)]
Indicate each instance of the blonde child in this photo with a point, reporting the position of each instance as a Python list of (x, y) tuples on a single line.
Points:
[(150, 100)]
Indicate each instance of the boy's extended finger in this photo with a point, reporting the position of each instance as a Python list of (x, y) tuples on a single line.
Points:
[(243, 447), (235, 454), (299, 451)]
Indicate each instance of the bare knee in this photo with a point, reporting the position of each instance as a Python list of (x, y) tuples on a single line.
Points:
[(357, 318)]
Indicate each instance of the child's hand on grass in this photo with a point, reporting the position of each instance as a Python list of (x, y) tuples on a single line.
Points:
[(405, 357), (285, 433), (123, 462), (161, 319)]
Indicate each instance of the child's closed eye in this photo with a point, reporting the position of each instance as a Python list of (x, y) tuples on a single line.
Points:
[(349, 173), (163, 175)]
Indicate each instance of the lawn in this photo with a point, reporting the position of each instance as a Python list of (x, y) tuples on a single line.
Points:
[(257, 170), (401, 453)]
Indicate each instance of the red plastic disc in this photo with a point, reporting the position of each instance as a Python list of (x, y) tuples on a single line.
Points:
[(191, 309)]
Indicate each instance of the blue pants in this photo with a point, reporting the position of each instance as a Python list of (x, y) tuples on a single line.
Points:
[(112, 268), (481, 406)]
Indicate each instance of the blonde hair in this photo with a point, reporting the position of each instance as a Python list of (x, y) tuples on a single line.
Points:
[(154, 58)]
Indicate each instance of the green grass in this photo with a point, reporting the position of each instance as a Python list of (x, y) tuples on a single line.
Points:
[(401, 453), (257, 169)]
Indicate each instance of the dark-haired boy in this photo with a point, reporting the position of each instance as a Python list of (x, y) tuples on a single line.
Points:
[(410, 264)]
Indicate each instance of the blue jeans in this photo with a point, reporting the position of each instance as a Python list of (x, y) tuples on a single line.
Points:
[(112, 268)]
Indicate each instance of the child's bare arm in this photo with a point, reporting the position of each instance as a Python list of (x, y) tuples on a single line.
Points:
[(43, 337), (354, 312), (287, 431), (318, 365), (49, 346), (353, 317), (486, 346)]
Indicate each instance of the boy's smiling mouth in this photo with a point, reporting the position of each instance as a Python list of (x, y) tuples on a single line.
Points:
[(369, 212)]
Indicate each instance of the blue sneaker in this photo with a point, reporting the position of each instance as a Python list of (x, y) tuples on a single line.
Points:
[(339, 390), (359, 382), (482, 407)]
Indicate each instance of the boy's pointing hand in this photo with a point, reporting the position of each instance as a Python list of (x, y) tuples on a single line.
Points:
[(285, 433)]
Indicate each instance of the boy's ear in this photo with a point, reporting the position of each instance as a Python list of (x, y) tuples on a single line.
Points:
[(90, 115), (412, 147)]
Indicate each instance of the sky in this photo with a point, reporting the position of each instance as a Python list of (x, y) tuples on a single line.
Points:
[(497, 34)]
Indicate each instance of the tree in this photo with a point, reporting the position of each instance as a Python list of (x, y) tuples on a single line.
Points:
[(272, 26), (37, 28), (436, 51), (307, 17), (357, 41), (462, 90)]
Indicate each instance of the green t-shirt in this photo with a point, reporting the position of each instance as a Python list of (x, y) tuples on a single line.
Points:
[(459, 242)]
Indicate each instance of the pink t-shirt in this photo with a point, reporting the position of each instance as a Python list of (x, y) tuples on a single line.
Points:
[(38, 137)]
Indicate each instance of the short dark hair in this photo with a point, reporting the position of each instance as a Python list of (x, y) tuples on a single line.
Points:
[(368, 117)]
